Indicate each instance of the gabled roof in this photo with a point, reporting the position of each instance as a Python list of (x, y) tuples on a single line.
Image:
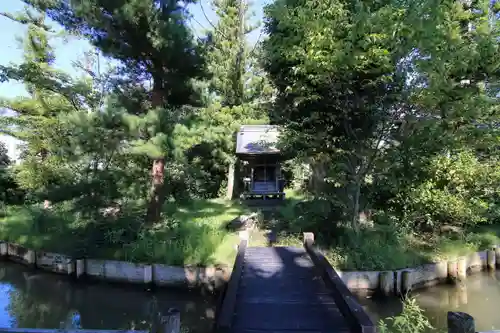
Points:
[(257, 139)]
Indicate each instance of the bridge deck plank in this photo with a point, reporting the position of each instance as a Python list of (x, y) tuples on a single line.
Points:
[(280, 291)]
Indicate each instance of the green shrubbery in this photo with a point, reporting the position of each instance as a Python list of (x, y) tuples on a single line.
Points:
[(411, 320), (414, 226), (193, 233), (396, 154), (458, 190)]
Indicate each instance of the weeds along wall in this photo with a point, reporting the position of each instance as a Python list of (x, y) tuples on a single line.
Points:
[(118, 271), (360, 282)]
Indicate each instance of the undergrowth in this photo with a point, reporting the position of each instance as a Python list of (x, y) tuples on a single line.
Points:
[(191, 233), (380, 246)]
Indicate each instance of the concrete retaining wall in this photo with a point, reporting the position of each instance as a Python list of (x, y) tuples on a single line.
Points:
[(21, 254), (393, 282), (476, 261), (403, 280), (117, 271), (368, 280), (54, 262)]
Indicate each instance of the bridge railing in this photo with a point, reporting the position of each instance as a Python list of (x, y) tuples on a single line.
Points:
[(224, 315), (352, 311)]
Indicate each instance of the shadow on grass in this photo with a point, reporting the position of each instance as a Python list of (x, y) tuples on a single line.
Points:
[(189, 234)]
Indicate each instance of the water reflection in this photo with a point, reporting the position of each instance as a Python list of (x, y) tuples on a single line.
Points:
[(39, 300), (479, 297)]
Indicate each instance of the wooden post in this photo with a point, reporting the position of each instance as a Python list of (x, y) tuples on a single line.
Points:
[(406, 282), (460, 322), (231, 181), (491, 259), (386, 283), (452, 271), (171, 322), (251, 179), (71, 267), (80, 268), (3, 249), (243, 235), (31, 258), (148, 276), (497, 255), (462, 269), (308, 238), (277, 176)]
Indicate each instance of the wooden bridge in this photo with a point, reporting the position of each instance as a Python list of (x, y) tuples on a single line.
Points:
[(288, 289)]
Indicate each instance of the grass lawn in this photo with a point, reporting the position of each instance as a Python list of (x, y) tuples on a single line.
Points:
[(192, 233)]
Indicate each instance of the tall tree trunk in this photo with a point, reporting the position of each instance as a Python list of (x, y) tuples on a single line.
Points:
[(355, 208), (157, 193), (47, 204)]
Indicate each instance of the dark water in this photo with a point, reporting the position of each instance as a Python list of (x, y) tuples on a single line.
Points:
[(480, 297), (32, 299)]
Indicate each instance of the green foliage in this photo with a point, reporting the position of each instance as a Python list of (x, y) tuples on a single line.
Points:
[(458, 190), (411, 320), (149, 37), (372, 96), (237, 78), (193, 234), (10, 193), (345, 90), (4, 156), (35, 120), (207, 142), (393, 244), (389, 110), (152, 41)]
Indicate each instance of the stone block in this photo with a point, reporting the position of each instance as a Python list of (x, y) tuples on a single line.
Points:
[(429, 274), (164, 275), (368, 280), (476, 261), (54, 262), (112, 270), (21, 254)]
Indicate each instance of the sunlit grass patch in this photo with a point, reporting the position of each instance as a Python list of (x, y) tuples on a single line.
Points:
[(191, 233)]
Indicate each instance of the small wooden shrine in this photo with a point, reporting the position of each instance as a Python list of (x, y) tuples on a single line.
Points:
[(258, 168)]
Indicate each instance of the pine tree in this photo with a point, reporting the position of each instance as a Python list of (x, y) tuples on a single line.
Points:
[(152, 41), (236, 76), (229, 51), (35, 120), (238, 88)]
